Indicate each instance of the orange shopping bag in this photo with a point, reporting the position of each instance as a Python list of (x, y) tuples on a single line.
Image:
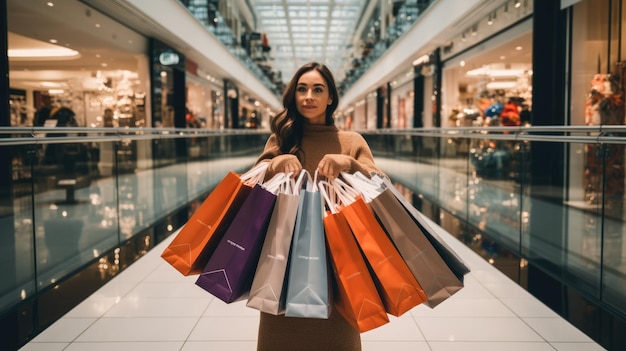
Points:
[(357, 299), (398, 288), (434, 265), (190, 250)]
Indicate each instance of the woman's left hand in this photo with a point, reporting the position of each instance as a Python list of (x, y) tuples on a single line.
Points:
[(332, 165)]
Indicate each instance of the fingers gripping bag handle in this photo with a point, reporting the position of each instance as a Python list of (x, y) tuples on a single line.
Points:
[(364, 186), (256, 174)]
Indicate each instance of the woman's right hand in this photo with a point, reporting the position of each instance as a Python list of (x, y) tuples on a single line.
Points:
[(285, 163)]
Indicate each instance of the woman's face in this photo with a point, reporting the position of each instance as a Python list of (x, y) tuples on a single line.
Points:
[(312, 97)]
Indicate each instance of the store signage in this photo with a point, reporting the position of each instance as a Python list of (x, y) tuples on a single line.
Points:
[(169, 58)]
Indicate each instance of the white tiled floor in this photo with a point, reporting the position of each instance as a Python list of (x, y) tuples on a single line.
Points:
[(150, 306)]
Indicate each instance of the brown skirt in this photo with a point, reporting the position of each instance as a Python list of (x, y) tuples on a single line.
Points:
[(278, 333)]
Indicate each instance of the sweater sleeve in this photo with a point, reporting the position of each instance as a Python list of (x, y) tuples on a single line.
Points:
[(270, 151), (277, 160), (362, 154)]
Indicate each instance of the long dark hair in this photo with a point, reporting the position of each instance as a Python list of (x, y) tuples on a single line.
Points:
[(288, 124)]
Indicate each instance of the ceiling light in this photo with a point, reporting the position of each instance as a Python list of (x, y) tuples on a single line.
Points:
[(40, 53), (486, 71), (501, 85), (422, 59), (50, 84)]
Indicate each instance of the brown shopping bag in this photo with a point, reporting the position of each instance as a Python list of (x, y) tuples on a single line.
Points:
[(192, 246), (456, 264), (357, 298), (427, 265), (399, 289), (267, 293)]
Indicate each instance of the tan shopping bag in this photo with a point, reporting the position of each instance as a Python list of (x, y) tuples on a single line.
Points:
[(267, 293)]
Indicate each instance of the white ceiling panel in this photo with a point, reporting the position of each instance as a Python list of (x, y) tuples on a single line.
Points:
[(300, 31)]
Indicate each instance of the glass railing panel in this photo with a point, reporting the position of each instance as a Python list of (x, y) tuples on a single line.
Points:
[(66, 220), (101, 201), (453, 183), (544, 241), (495, 190), (198, 166), (523, 177), (583, 230), (135, 185), (614, 243), (16, 225)]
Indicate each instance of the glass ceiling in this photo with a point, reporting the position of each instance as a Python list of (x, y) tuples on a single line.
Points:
[(300, 31)]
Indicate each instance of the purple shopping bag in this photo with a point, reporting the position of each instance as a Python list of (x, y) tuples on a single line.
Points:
[(229, 272)]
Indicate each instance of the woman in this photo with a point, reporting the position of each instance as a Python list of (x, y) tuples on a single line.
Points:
[(304, 137)]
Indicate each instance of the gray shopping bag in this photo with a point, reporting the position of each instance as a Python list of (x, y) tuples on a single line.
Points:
[(308, 293)]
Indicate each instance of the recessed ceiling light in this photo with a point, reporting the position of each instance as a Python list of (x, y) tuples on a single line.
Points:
[(24, 48), (53, 41), (41, 53), (518, 48), (50, 3)]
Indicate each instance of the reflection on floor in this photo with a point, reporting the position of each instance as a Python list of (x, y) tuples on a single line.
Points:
[(150, 306)]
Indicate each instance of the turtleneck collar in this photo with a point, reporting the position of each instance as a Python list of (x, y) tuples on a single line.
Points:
[(319, 128)]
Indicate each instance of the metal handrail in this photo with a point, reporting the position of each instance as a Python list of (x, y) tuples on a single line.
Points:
[(12, 136), (561, 134)]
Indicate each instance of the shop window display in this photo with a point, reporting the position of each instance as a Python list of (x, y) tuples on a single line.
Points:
[(605, 164), (597, 190)]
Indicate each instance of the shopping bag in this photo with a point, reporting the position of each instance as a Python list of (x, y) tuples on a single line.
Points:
[(452, 259), (267, 293), (308, 289), (228, 273), (428, 267), (425, 262), (357, 299), (399, 289), (190, 249)]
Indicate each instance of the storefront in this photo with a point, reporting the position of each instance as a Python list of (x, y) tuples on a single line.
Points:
[(597, 175), (490, 83), (371, 116), (204, 100), (75, 64), (402, 100)]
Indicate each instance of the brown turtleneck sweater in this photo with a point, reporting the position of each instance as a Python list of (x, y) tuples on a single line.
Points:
[(280, 333), (320, 140)]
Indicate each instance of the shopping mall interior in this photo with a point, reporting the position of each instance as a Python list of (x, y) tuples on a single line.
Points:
[(500, 121)]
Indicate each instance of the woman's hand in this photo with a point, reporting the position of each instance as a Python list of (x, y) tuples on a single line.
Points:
[(285, 163), (332, 165)]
